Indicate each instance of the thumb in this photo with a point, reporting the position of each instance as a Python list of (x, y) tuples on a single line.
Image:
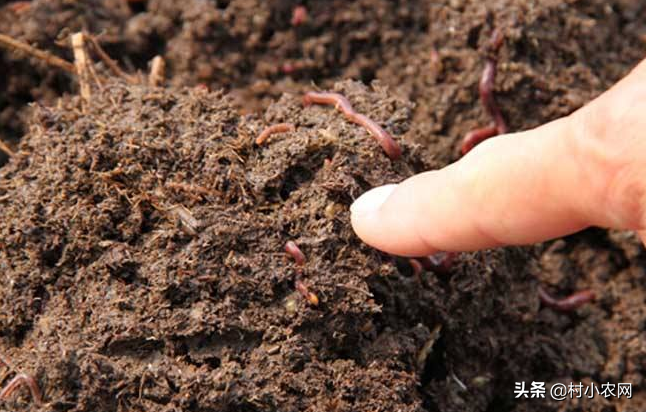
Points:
[(521, 188)]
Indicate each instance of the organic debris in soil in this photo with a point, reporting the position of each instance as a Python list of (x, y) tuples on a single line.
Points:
[(143, 264)]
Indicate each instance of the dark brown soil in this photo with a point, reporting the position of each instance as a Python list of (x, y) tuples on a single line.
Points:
[(141, 240)]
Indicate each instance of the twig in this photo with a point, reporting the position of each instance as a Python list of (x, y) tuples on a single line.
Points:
[(12, 44), (6, 149), (187, 221), (81, 63), (157, 72), (112, 65), (142, 381), (355, 289)]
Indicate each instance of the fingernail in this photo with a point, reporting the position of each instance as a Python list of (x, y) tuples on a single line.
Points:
[(372, 200)]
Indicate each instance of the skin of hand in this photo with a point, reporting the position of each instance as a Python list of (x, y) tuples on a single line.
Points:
[(585, 169)]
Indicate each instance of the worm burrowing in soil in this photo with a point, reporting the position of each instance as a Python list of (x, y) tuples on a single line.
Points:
[(276, 128), (299, 257), (567, 304), (299, 16), (384, 138), (309, 296), (486, 88), (295, 252), (440, 263), (22, 379)]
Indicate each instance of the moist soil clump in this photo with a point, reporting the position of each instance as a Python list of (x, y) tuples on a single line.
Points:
[(143, 265)]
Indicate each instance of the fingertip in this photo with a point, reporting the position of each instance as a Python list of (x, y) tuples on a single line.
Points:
[(369, 220), (371, 201), (387, 217)]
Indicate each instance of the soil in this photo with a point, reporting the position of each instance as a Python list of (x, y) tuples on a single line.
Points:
[(142, 233)]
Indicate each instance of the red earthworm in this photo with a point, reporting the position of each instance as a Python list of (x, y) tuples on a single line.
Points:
[(341, 103), (299, 16), (276, 128), (303, 290), (288, 68), (475, 136), (434, 57), (568, 303), (295, 252), (22, 379), (19, 6), (417, 267), (486, 89), (440, 262)]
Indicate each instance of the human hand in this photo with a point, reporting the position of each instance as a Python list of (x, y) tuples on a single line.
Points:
[(586, 169)]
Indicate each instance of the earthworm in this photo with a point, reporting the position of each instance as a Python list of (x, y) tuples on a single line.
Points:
[(440, 262), (435, 61), (341, 103), (22, 379), (303, 290), (566, 304), (276, 128), (417, 267), (19, 6), (475, 136), (486, 89), (299, 16), (295, 252)]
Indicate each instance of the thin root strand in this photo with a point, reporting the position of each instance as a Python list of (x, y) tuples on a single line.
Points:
[(10, 43), (112, 65), (5, 148), (341, 103)]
